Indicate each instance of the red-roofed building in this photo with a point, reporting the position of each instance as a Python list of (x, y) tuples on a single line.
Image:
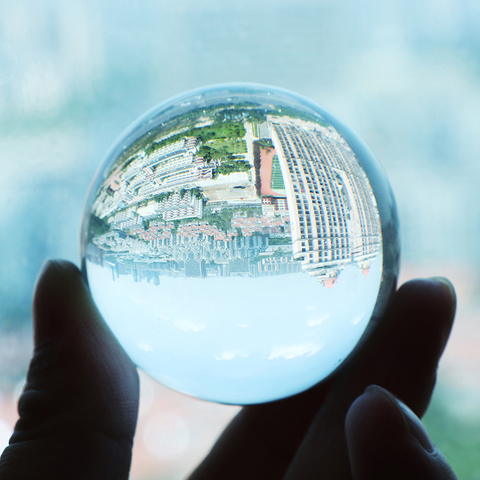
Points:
[(330, 282)]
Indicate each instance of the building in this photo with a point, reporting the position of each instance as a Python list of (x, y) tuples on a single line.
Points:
[(333, 212)]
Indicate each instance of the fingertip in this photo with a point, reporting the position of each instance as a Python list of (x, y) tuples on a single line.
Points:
[(448, 289), (58, 288), (373, 429), (385, 439), (63, 309), (60, 266), (435, 295), (430, 303), (410, 422), (368, 424), (55, 274), (445, 282)]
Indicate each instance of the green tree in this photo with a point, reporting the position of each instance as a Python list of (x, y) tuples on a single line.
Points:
[(231, 165), (280, 241), (97, 227), (265, 142)]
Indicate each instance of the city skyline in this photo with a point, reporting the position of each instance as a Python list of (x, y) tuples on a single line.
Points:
[(187, 203)]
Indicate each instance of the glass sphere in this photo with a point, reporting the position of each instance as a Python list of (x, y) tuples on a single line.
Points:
[(239, 240)]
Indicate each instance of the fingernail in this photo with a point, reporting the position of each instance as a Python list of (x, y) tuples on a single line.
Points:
[(412, 423)]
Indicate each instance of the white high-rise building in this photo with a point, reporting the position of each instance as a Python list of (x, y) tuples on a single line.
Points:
[(333, 212)]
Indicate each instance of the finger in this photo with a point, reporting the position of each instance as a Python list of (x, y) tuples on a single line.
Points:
[(402, 356), (79, 406), (386, 439), (261, 440)]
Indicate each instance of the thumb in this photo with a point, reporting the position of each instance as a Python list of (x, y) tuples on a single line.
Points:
[(386, 439), (79, 406)]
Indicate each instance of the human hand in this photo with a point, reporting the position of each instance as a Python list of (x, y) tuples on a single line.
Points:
[(78, 410), (79, 407)]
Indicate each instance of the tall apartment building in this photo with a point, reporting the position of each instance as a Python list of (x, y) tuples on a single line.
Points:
[(333, 212)]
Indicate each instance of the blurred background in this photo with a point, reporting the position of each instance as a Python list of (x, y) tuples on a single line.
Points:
[(405, 74)]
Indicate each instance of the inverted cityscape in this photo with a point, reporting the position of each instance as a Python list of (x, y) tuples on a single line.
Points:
[(236, 190)]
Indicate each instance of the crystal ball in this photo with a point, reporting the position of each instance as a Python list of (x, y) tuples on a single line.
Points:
[(240, 242)]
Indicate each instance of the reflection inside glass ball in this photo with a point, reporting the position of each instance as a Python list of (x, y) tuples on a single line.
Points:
[(232, 242)]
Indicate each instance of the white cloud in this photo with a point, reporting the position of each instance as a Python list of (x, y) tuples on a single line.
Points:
[(226, 355), (137, 300), (189, 326), (242, 325), (291, 351), (313, 322), (145, 347), (310, 308), (358, 319)]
